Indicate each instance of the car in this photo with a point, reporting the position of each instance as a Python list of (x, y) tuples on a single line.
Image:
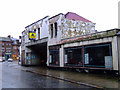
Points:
[(10, 60), (2, 59)]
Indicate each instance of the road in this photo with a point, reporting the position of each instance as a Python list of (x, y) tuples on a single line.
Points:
[(15, 78)]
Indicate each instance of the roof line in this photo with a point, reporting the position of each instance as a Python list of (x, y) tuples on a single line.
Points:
[(77, 15), (55, 16), (37, 21)]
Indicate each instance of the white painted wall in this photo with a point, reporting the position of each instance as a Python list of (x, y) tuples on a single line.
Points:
[(44, 30), (52, 41), (42, 24)]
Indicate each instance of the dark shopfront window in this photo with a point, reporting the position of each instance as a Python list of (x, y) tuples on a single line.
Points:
[(98, 56), (73, 56), (54, 57)]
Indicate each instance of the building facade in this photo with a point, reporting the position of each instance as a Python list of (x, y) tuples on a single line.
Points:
[(70, 41), (92, 51), (34, 43), (62, 27), (8, 49), (15, 48)]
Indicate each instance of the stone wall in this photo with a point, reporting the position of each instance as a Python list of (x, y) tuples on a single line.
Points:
[(71, 28)]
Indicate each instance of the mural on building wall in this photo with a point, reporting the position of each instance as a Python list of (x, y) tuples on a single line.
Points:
[(72, 28)]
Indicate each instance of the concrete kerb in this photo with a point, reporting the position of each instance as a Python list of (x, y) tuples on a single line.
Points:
[(80, 83)]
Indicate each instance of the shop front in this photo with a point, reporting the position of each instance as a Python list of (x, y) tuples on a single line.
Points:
[(99, 56), (7, 55), (98, 51), (54, 59), (95, 56), (15, 56), (73, 56)]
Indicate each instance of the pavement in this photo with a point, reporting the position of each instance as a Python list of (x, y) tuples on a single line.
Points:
[(86, 79)]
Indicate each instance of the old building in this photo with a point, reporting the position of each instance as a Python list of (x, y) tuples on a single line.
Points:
[(9, 48), (62, 27), (34, 43), (6, 50), (70, 41), (15, 48)]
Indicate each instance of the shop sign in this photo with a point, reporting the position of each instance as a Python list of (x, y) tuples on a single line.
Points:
[(108, 61), (7, 53), (32, 35)]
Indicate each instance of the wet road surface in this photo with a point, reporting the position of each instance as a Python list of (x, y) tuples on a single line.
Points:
[(98, 80), (15, 78)]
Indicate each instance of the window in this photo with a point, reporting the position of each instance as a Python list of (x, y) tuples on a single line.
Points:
[(15, 42), (96, 55), (55, 24), (73, 56), (14, 47), (51, 30), (3, 49), (2, 44), (38, 33), (54, 55), (8, 50)]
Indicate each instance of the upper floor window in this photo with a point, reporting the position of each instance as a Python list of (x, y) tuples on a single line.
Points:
[(55, 25), (2, 44), (38, 33), (51, 30), (34, 29), (14, 47)]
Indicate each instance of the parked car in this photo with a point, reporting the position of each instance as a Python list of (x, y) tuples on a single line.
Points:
[(10, 60), (2, 59)]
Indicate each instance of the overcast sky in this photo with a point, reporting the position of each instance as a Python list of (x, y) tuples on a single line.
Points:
[(15, 15)]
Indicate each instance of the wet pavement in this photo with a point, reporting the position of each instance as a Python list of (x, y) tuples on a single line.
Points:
[(100, 81), (13, 77)]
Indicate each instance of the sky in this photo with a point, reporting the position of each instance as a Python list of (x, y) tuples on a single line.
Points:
[(15, 15)]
